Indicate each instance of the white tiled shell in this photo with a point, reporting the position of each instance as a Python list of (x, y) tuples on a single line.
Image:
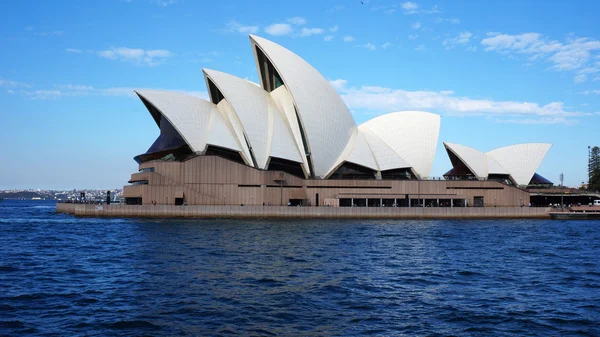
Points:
[(493, 167), (358, 152), (284, 102), (475, 160), (189, 115), (413, 135), (227, 110), (326, 120), (220, 132), (385, 156), (251, 105), (521, 160)]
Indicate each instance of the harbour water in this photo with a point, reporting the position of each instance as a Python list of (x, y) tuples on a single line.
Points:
[(62, 275)]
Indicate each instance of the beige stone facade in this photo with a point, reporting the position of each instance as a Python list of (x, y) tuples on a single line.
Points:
[(212, 180)]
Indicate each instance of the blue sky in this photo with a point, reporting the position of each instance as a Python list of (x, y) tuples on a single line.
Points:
[(498, 72)]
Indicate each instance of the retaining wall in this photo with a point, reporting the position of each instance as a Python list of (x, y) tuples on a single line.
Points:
[(170, 211)]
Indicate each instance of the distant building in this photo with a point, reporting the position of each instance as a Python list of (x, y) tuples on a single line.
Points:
[(292, 140)]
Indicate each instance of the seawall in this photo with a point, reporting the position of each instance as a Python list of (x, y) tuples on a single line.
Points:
[(171, 211)]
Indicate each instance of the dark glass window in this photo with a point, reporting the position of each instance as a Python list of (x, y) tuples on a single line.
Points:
[(397, 174), (353, 172), (288, 166)]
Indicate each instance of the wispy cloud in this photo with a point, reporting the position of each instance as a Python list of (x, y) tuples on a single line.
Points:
[(279, 29), (414, 8), (137, 56), (462, 39), (453, 21), (348, 38), (421, 47), (334, 29), (415, 25), (382, 100), (297, 20), (328, 38), (386, 45), (370, 46), (71, 90), (165, 3), (574, 54), (413, 37), (234, 26), (311, 31), (538, 121), (13, 84), (50, 33), (73, 50), (590, 92)]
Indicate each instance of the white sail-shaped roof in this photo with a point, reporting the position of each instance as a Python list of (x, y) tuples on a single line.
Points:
[(475, 160), (358, 152), (385, 156), (261, 120), (413, 135), (227, 110), (220, 131), (521, 160), (284, 102), (326, 121), (493, 166), (188, 114)]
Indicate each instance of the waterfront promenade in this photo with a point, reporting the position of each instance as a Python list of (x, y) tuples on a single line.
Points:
[(171, 211)]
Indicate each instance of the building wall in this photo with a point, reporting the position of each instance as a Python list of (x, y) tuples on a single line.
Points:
[(212, 180)]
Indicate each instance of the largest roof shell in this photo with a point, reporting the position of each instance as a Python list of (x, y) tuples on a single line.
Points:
[(325, 119)]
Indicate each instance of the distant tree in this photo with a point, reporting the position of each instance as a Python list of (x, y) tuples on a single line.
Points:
[(594, 169)]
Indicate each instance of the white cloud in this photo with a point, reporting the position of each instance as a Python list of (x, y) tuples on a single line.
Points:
[(75, 87), (386, 45), (137, 56), (234, 26), (311, 31), (462, 39), (390, 11), (10, 91), (348, 38), (410, 6), (70, 90), (412, 37), (421, 47), (542, 120), (574, 54), (13, 84), (73, 50), (590, 92), (165, 3), (50, 33), (328, 38), (338, 84), (415, 25), (296, 20), (279, 29), (381, 100), (370, 46), (471, 48), (334, 29), (453, 21), (413, 8)]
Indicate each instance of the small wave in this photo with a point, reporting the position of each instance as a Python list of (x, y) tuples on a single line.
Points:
[(8, 269), (135, 324), (12, 324), (468, 273)]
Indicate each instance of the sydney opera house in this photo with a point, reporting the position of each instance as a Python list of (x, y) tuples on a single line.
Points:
[(291, 140)]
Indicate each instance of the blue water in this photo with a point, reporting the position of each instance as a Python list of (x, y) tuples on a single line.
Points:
[(61, 275)]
